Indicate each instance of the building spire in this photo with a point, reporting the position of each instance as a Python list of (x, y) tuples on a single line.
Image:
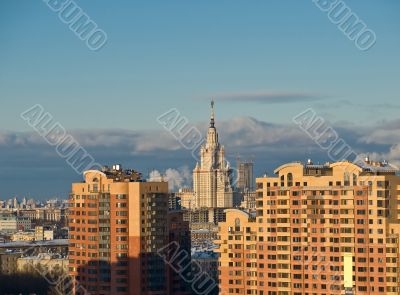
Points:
[(212, 122)]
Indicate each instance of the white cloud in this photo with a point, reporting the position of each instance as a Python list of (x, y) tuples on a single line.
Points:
[(268, 144), (268, 97), (243, 135), (177, 178)]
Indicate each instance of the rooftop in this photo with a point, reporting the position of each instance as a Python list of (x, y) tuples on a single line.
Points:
[(116, 173), (365, 165), (56, 242)]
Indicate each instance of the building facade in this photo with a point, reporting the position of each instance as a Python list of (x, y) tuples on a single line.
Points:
[(48, 263), (10, 223), (117, 224), (44, 214), (245, 180), (249, 201), (212, 177), (208, 262), (43, 233), (187, 198), (204, 215), (319, 229), (23, 236), (8, 262)]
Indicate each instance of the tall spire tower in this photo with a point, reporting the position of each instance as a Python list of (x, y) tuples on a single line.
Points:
[(212, 135), (212, 179), (212, 122)]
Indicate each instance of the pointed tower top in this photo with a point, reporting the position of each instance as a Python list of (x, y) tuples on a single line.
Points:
[(212, 122)]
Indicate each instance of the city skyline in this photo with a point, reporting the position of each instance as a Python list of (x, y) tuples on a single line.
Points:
[(199, 147), (177, 162), (293, 58)]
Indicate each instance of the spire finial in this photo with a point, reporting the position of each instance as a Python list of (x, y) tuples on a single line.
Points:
[(212, 113)]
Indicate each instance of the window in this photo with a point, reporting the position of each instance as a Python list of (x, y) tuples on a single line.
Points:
[(237, 223), (290, 179), (346, 178)]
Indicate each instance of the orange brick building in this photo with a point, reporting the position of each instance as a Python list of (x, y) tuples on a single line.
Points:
[(117, 224), (318, 230)]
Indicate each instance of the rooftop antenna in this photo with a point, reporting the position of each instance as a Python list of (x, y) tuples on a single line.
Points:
[(212, 120)]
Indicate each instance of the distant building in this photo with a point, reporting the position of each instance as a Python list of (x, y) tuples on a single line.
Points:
[(32, 248), (249, 201), (48, 263), (4, 238), (208, 262), (174, 201), (187, 198), (42, 214), (29, 213), (205, 215), (206, 225), (204, 234), (10, 223), (245, 180), (43, 233), (212, 177), (50, 214), (23, 236), (8, 262), (23, 223)]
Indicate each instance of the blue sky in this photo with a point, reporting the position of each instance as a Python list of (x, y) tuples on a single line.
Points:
[(164, 54)]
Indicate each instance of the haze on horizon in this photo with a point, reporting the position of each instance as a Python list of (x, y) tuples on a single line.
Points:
[(263, 62)]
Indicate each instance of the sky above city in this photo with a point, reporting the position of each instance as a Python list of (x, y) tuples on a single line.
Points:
[(263, 62)]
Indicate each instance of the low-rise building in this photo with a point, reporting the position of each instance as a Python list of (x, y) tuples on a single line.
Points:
[(8, 223), (43, 262), (44, 214), (23, 236), (23, 223), (59, 246), (43, 233), (8, 261)]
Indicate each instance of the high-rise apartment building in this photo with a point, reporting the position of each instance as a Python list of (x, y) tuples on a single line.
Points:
[(117, 224), (245, 181), (319, 229), (212, 177)]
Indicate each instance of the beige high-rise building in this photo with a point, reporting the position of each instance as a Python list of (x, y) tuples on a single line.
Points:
[(212, 177), (318, 230)]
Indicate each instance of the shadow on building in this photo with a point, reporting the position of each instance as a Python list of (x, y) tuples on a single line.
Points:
[(11, 284), (149, 275)]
